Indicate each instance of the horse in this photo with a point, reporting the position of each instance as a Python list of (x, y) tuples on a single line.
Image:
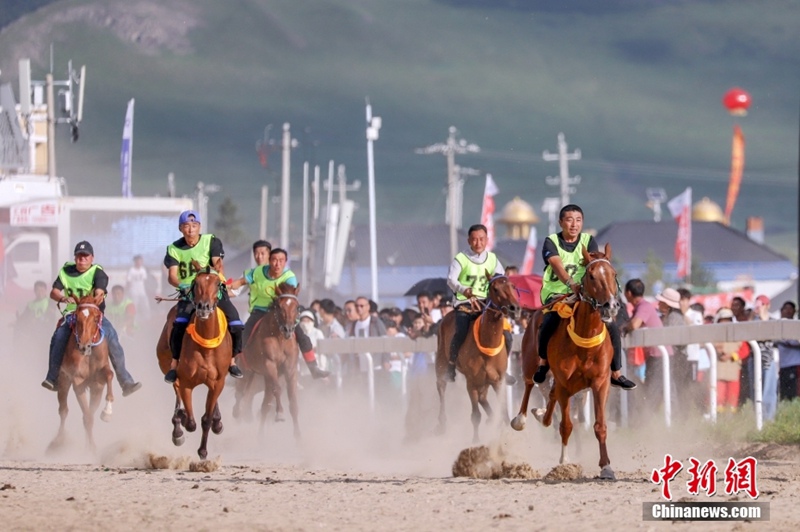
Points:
[(85, 366), (482, 358), (579, 354), (206, 353), (272, 351)]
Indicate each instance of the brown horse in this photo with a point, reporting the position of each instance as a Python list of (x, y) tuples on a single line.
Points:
[(579, 354), (85, 366), (271, 352), (206, 353), (482, 358)]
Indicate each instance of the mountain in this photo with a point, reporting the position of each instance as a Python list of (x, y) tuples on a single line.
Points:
[(636, 86)]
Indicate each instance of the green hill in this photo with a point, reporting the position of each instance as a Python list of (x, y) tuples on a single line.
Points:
[(635, 86)]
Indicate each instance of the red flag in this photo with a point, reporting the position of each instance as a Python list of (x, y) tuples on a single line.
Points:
[(737, 167), (681, 208), (487, 211), (261, 149), (530, 253)]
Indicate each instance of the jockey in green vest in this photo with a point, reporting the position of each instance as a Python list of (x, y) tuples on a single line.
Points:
[(75, 280), (207, 251), (121, 310), (467, 279), (563, 256), (271, 271)]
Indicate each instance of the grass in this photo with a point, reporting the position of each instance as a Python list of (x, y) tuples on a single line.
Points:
[(740, 427)]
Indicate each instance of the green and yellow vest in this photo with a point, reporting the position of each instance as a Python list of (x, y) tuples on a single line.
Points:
[(38, 307), (78, 286), (116, 313), (262, 289), (201, 252), (474, 275), (573, 264)]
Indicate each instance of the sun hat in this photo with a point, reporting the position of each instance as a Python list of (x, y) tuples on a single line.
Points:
[(184, 218), (307, 314), (723, 314), (671, 297)]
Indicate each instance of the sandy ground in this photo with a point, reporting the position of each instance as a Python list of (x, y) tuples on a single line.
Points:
[(353, 469)]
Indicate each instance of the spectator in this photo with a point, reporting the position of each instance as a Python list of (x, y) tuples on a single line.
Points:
[(328, 323), (122, 311), (789, 355), (308, 323), (365, 325), (429, 313), (511, 270), (769, 370), (136, 286), (741, 314), (669, 305), (350, 315), (728, 367), (644, 315)]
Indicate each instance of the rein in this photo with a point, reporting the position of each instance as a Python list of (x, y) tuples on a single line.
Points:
[(99, 325), (584, 297)]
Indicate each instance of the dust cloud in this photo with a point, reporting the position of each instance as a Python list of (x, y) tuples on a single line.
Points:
[(339, 430)]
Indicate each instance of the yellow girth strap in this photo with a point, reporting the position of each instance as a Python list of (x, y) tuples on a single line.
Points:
[(210, 343), (594, 341), (488, 351)]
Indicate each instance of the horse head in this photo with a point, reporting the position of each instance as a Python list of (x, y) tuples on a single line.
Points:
[(286, 307), (88, 323), (599, 285), (205, 291), (502, 295)]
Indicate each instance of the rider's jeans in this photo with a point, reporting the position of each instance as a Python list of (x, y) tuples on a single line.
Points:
[(58, 344)]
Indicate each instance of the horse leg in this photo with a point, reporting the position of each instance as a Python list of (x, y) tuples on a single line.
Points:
[(186, 398), (600, 395), (216, 420), (268, 394), (441, 386), (214, 389), (565, 428), (178, 419), (476, 413), (291, 394), (545, 415), (243, 407), (88, 417), (483, 399), (105, 415), (518, 423), (63, 410)]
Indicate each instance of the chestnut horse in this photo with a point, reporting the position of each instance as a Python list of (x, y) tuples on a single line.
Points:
[(482, 358), (85, 365), (206, 353), (579, 353), (272, 351)]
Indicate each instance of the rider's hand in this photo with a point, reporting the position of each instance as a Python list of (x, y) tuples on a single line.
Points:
[(184, 289), (468, 293), (575, 287)]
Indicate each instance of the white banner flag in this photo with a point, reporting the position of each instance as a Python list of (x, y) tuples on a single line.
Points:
[(530, 253), (487, 211), (681, 208), (126, 155)]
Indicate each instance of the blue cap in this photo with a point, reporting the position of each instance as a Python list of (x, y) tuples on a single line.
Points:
[(186, 215)]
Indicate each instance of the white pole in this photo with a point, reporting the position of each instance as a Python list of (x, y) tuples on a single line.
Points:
[(666, 381), (712, 382), (262, 229), (755, 352), (373, 126), (285, 171), (451, 190), (304, 263)]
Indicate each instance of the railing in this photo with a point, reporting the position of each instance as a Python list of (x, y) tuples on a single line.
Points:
[(705, 335)]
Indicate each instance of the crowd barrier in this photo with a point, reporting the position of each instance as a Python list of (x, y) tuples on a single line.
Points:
[(706, 335)]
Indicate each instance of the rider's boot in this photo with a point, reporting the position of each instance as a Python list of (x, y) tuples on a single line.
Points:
[(236, 337), (617, 378), (462, 321), (548, 326), (311, 361), (175, 343)]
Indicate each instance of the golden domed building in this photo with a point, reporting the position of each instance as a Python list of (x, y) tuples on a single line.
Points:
[(706, 210), (518, 216)]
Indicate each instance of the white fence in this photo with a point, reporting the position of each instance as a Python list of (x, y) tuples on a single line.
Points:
[(706, 335)]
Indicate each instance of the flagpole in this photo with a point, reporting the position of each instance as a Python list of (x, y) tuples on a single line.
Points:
[(126, 154)]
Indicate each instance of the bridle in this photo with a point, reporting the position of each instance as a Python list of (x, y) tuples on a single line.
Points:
[(504, 310), (607, 307), (99, 334), (286, 328), (204, 309)]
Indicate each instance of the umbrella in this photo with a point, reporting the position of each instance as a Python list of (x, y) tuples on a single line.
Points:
[(528, 289), (431, 285)]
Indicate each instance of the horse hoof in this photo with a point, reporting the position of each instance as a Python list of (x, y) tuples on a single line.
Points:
[(538, 413), (179, 440), (191, 426), (202, 453), (217, 428), (280, 419), (518, 423), (607, 473), (105, 417)]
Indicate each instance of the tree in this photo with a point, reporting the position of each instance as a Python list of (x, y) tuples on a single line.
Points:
[(228, 227), (701, 276), (655, 270)]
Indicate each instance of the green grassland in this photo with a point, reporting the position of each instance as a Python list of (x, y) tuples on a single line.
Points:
[(635, 85)]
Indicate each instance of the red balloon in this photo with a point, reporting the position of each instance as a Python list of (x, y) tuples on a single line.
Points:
[(736, 101)]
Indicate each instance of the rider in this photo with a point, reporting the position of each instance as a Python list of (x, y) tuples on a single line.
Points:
[(564, 270), (207, 250), (263, 279), (467, 279), (122, 310), (75, 280)]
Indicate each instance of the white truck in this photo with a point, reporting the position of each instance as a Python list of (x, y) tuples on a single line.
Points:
[(39, 236)]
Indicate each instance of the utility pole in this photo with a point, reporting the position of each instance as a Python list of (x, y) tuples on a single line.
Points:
[(287, 144), (563, 180), (449, 149), (373, 127), (551, 207)]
